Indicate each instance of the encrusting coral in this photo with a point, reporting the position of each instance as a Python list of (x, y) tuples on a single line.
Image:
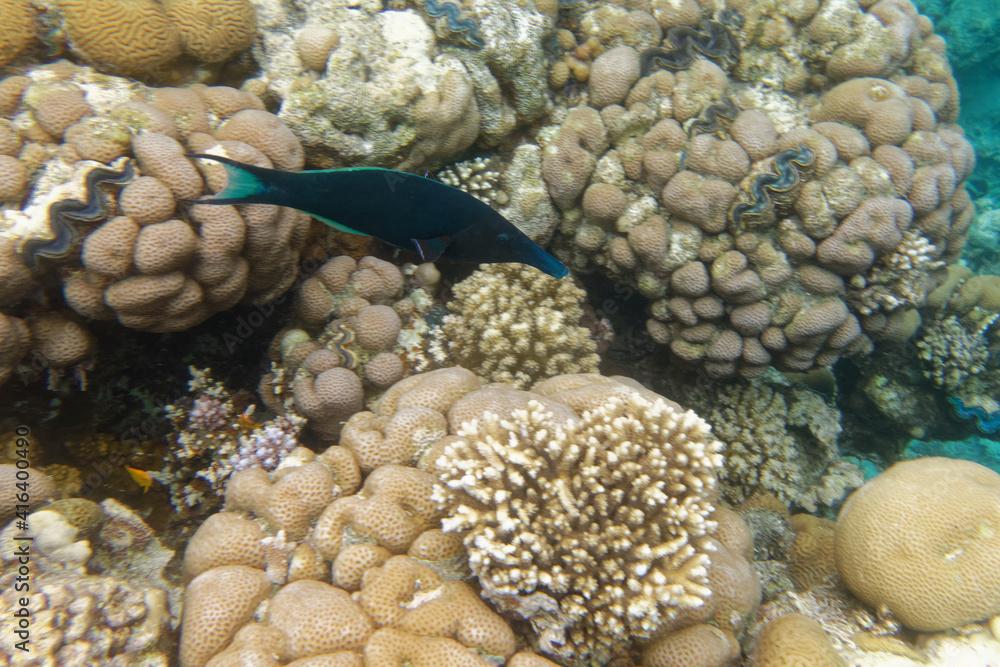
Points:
[(97, 594), (778, 440), (389, 91), (508, 323)]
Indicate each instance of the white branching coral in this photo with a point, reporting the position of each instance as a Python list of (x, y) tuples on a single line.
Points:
[(594, 529), (511, 323), (900, 278)]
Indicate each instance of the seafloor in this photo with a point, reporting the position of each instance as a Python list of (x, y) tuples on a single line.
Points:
[(755, 425)]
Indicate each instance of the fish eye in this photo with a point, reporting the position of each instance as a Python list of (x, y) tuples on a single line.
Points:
[(504, 237)]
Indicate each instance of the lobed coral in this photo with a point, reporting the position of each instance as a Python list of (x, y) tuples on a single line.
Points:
[(147, 258), (307, 536), (347, 540), (370, 324), (508, 323), (780, 201)]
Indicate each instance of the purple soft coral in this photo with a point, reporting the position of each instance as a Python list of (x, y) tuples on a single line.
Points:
[(267, 445)]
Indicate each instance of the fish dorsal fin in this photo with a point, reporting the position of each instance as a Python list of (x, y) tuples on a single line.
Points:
[(430, 249), (339, 227)]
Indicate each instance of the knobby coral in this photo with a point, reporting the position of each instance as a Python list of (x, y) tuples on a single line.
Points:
[(509, 323)]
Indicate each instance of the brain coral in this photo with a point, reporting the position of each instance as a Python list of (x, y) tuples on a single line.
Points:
[(594, 528), (779, 204), (147, 259), (143, 37), (923, 540), (509, 323)]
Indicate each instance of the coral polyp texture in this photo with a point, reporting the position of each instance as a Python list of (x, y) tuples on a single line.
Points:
[(778, 440), (510, 323), (921, 540), (781, 183), (359, 553), (145, 38), (98, 594), (595, 529)]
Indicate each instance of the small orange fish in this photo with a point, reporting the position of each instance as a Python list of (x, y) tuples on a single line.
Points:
[(140, 477), (246, 420)]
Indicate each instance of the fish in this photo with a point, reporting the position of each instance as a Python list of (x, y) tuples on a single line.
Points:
[(405, 210), (140, 477)]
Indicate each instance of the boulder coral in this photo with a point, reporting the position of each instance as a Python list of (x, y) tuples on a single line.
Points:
[(143, 38), (921, 540), (782, 184)]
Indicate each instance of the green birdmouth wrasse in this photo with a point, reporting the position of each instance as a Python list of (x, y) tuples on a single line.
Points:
[(403, 209)]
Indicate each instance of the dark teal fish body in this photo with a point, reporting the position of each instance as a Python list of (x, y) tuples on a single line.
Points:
[(403, 209)]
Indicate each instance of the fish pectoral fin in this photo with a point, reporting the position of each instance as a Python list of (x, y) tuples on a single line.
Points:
[(430, 249), (339, 227)]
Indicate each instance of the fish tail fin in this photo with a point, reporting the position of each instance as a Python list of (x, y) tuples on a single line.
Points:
[(246, 183)]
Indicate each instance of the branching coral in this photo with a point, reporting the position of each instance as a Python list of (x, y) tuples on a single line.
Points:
[(509, 323), (782, 441), (951, 352), (594, 529)]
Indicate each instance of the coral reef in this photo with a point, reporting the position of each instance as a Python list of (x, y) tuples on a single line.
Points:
[(358, 536), (843, 139), (213, 438), (145, 38), (780, 440), (146, 259), (570, 524), (508, 323)]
